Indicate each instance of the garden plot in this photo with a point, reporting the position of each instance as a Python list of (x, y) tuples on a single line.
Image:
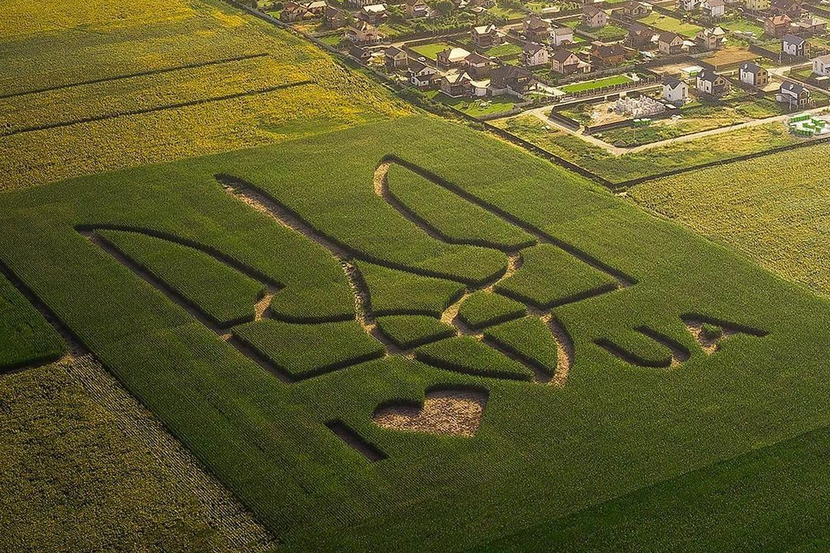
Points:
[(809, 126)]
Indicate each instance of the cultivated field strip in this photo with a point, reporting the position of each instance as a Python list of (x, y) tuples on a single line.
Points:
[(224, 512), (147, 73)]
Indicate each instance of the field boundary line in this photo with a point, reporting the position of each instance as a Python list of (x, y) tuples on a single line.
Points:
[(144, 111), (147, 73), (639, 180)]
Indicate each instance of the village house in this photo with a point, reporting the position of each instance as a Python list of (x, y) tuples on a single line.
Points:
[(566, 62), (710, 39), (757, 5), (713, 9), (395, 58), (688, 5), (561, 36), (421, 75), (795, 46), (535, 28), (375, 14), (594, 17), (293, 11), (608, 54), (451, 57), (317, 8), (485, 36), (639, 36), (777, 25), (711, 83), (636, 10), (359, 3), (363, 33), (793, 94), (456, 84), (534, 55), (821, 66), (511, 79), (675, 91), (416, 9), (808, 26), (753, 74), (478, 66), (334, 18), (670, 43), (791, 8), (359, 53)]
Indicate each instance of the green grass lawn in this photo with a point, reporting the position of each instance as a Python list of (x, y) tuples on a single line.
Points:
[(430, 51), (743, 25), (597, 83), (475, 107), (667, 23), (608, 33), (504, 50)]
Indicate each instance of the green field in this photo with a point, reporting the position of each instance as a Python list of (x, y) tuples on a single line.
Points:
[(431, 50), (597, 83), (268, 440), (296, 314), (475, 107), (668, 23), (776, 211)]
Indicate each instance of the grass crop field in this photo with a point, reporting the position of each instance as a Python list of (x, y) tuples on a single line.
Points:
[(86, 459), (776, 211), (654, 160), (371, 329), (294, 219), (157, 82)]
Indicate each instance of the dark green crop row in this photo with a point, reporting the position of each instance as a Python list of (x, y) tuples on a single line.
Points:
[(26, 338), (394, 292), (453, 218), (305, 350), (528, 338), (483, 308), (409, 331), (467, 355), (222, 293)]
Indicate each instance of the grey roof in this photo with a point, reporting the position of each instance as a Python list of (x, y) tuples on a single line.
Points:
[(707, 75), (795, 88), (672, 82), (668, 36), (532, 47), (591, 11), (562, 55), (751, 67), (563, 31), (792, 39)]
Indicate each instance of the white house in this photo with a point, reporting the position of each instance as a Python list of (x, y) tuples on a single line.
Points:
[(561, 36), (711, 83), (534, 55), (821, 66), (753, 74), (688, 5), (713, 8), (793, 94), (794, 45), (675, 91)]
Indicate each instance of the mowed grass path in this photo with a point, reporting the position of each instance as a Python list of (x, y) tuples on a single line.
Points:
[(775, 209)]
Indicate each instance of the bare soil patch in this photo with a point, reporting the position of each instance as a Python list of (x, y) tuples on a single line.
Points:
[(444, 412)]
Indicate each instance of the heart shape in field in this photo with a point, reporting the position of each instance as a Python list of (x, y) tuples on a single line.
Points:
[(449, 412)]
